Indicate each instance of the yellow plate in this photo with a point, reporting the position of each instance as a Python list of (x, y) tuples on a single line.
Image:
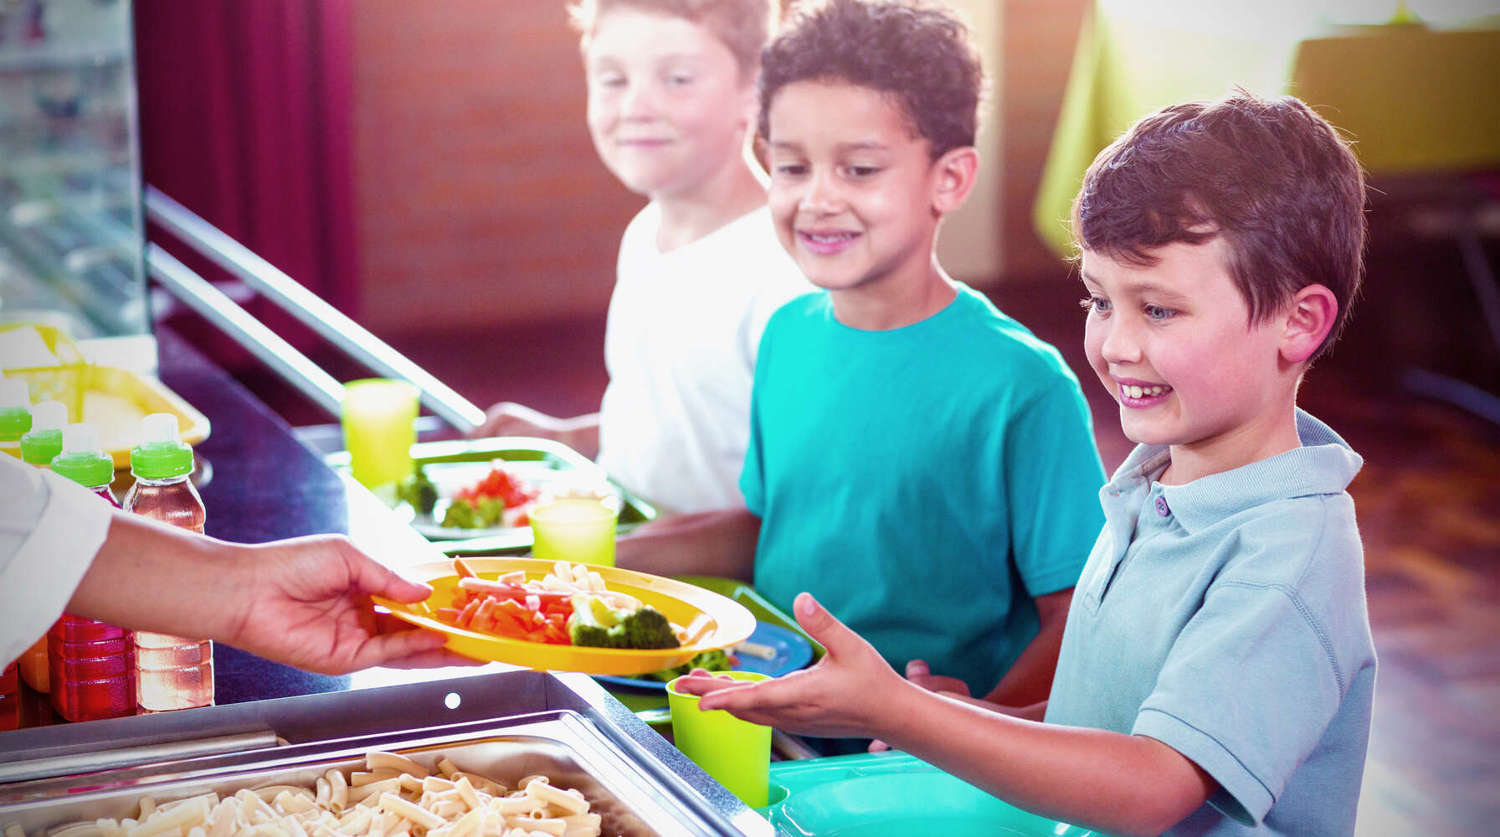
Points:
[(730, 622)]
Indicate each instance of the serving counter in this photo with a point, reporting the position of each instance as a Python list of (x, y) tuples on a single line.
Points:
[(259, 484)]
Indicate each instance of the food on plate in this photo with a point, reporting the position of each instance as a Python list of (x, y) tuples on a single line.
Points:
[(392, 795), (499, 498), (598, 625), (478, 513), (568, 606), (418, 491)]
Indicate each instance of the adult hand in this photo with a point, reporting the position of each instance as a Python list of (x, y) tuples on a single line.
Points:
[(306, 603), (838, 697), (918, 673)]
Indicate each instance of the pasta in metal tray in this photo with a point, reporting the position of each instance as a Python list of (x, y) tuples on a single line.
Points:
[(392, 796)]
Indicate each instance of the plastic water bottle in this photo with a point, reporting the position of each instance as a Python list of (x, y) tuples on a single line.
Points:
[(91, 663), (44, 440), (38, 446), (15, 414), (171, 672)]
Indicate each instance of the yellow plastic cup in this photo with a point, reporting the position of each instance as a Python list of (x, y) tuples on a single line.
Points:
[(737, 753), (379, 429), (580, 530)]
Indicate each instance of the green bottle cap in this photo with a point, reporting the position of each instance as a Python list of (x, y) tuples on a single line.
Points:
[(38, 447), (44, 440), (82, 460), (160, 455), (15, 409), (14, 422)]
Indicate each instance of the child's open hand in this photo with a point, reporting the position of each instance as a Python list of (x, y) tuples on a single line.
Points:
[(833, 698)]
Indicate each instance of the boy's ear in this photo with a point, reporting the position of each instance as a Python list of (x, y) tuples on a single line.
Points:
[(1309, 317), (749, 102), (954, 175)]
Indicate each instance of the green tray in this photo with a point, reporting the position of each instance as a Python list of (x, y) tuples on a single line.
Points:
[(880, 794), (540, 455)]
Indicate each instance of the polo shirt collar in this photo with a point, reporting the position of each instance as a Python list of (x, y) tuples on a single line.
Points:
[(1325, 464)]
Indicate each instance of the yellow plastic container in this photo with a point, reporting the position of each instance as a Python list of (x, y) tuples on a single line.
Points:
[(112, 399)]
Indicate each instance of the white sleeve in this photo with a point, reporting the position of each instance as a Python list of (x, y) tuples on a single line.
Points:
[(50, 531)]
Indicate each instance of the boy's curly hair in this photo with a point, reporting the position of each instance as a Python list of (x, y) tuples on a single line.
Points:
[(742, 25), (919, 53), (1269, 175)]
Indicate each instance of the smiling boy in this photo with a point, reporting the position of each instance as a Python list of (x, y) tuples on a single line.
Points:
[(916, 457), (671, 101), (1217, 671)]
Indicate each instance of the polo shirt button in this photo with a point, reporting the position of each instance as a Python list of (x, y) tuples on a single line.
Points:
[(1161, 506)]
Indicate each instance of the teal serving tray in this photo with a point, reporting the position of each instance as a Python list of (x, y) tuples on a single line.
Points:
[(892, 795)]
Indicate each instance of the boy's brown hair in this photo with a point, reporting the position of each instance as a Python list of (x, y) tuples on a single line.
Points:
[(742, 25), (1269, 175), (916, 52)]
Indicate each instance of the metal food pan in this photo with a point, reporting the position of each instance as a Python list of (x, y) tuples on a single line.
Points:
[(573, 733), (539, 747)]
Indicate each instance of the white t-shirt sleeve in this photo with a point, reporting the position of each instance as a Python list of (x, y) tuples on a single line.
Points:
[(50, 531)]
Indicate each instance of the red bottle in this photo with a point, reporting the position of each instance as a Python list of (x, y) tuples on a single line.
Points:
[(91, 663), (10, 697)]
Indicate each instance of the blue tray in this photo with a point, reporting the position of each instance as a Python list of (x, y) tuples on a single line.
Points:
[(895, 794), (792, 653)]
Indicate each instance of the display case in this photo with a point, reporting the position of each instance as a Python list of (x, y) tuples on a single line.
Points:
[(71, 228)]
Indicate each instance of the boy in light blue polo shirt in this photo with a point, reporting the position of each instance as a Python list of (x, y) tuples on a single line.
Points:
[(1217, 668)]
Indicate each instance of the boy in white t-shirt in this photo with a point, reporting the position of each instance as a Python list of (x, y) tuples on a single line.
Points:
[(671, 101)]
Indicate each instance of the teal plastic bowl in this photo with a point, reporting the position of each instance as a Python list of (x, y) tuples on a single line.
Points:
[(893, 794)]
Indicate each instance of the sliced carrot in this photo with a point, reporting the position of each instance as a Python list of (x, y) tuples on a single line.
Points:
[(466, 616), (463, 569)]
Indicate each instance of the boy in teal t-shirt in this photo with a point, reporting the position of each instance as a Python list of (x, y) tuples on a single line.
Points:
[(924, 482), (915, 455)]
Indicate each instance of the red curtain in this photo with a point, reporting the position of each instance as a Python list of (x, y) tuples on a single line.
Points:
[(246, 114)]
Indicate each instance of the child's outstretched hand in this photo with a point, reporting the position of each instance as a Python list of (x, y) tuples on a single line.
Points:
[(838, 697)]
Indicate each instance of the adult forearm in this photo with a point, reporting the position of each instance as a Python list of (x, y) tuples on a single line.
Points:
[(1118, 783), (154, 577), (718, 543)]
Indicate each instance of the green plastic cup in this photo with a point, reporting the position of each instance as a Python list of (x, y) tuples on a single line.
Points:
[(379, 419), (579, 530), (735, 752)]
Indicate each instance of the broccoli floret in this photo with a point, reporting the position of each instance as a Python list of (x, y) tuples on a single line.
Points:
[(592, 622), (715, 660), (469, 514), (647, 628), (460, 515), (489, 512), (596, 625), (418, 491)]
